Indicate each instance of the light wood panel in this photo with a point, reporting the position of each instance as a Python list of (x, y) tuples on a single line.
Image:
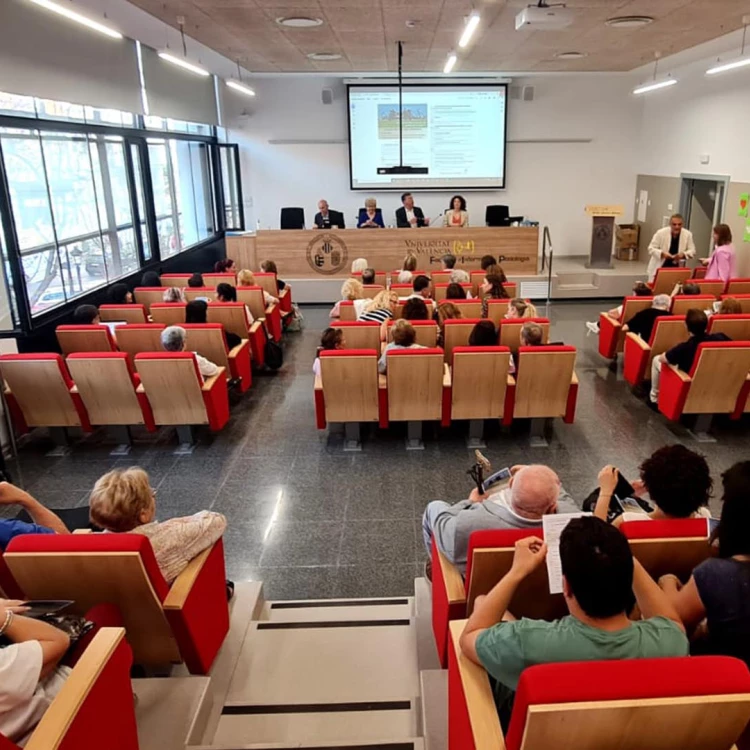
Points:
[(107, 391), (470, 308), (94, 339), (667, 278), (362, 336), (667, 333), (209, 343), (738, 286), (381, 277), (715, 288), (267, 281), (169, 313), (241, 249), (175, 279), (415, 387), (440, 290), (717, 381), (140, 339), (370, 291), (456, 333), (737, 329), (510, 332), (129, 313), (326, 254), (350, 388), (254, 299), (479, 384), (214, 279), (426, 332), (200, 292), (231, 316), (677, 556), (146, 296), (173, 390), (496, 310), (542, 383), (680, 305)]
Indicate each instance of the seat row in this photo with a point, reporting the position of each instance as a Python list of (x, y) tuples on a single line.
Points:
[(667, 278), (439, 279)]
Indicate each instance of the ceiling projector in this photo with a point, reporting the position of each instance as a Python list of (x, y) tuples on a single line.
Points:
[(544, 18)]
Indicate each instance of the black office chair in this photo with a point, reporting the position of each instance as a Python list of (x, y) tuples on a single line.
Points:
[(497, 216), (337, 219), (292, 218)]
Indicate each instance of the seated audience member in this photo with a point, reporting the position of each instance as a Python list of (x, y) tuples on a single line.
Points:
[(246, 278), (330, 339), (459, 276), (642, 323), (119, 294), (687, 288), (44, 521), (415, 309), (86, 315), (682, 355), (532, 334), (407, 269), (404, 337), (359, 265), (640, 289), (520, 308), (150, 278), (123, 501), (174, 339), (492, 288), (30, 665), (722, 263), (196, 281), (532, 492), (448, 262), (368, 277), (487, 261), (351, 291), (228, 293), (173, 294), (455, 291), (224, 266), (729, 306), (445, 311), (269, 266), (675, 479), (421, 290), (713, 604), (196, 312), (484, 333), (599, 577), (380, 310)]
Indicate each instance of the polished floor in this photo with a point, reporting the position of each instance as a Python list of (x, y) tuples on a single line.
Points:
[(311, 521)]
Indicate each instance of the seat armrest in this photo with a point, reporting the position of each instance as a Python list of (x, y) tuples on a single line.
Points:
[(270, 309), (74, 389), (140, 389), (256, 325), (209, 383), (318, 383), (574, 378), (683, 376), (382, 381), (638, 341), (234, 352), (183, 584), (446, 376), (455, 587), (511, 381)]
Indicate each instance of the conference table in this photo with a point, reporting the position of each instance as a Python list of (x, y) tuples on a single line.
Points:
[(328, 253)]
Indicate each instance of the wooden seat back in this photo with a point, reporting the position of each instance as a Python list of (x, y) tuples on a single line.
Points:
[(743, 299), (175, 279), (148, 295), (633, 305), (681, 303), (666, 279), (347, 311), (509, 333), (477, 279), (231, 315), (380, 278), (737, 286), (212, 279), (168, 313), (496, 310), (403, 290), (426, 330), (252, 296), (415, 384), (714, 288), (129, 313), (360, 334), (92, 338), (442, 277), (173, 385), (736, 326), (414, 274), (208, 340), (350, 384), (268, 282), (479, 380), (456, 332), (668, 331), (543, 378), (41, 385), (145, 337), (370, 291), (470, 308), (440, 290), (719, 372), (107, 387), (200, 292)]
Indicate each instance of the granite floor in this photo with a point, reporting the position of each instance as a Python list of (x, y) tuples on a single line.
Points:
[(313, 522)]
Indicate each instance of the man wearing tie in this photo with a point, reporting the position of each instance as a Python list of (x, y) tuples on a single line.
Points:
[(410, 215), (326, 218)]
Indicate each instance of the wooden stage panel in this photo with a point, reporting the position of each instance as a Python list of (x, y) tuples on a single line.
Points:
[(329, 254)]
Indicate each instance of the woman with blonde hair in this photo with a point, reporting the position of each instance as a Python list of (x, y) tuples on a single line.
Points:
[(380, 309), (408, 268), (369, 216), (173, 294), (351, 291), (123, 502), (359, 265), (247, 278), (445, 311), (520, 308)]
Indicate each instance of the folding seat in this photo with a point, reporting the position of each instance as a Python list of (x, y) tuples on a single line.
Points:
[(380, 278), (179, 395), (39, 392), (403, 290), (347, 311), (743, 299), (470, 308), (441, 277), (360, 334), (714, 288), (108, 387), (736, 326), (144, 337), (440, 290), (679, 703), (370, 291), (509, 333), (699, 272), (738, 286), (175, 279), (269, 283), (85, 338), (185, 622), (611, 336), (213, 280), (347, 391), (148, 295), (128, 313), (270, 315), (667, 278), (668, 331), (718, 383), (232, 316), (496, 310), (200, 292), (426, 330), (456, 332), (168, 313), (208, 340), (681, 303)]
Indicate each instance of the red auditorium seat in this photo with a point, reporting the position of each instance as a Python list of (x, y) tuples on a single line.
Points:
[(85, 338), (668, 331), (611, 336)]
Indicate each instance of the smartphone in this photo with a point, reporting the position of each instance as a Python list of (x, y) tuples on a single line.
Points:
[(39, 607), (630, 505), (499, 476)]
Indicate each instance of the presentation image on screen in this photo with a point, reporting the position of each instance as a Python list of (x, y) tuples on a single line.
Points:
[(457, 132)]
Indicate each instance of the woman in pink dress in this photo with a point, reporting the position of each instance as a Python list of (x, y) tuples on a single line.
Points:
[(721, 265)]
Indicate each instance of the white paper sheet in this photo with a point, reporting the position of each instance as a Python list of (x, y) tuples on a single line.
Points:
[(642, 205), (553, 526)]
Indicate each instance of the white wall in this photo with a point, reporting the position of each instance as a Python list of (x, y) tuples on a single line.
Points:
[(548, 182)]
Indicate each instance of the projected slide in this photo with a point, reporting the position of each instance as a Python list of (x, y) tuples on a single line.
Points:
[(457, 132)]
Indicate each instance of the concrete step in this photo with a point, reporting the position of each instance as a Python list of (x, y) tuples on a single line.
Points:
[(340, 610), (576, 287), (427, 654), (434, 704)]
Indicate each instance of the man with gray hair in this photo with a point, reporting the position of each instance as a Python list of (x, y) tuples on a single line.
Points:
[(642, 323), (459, 276), (532, 492), (173, 339)]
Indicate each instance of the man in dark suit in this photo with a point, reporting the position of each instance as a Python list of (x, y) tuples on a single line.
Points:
[(326, 218), (410, 215)]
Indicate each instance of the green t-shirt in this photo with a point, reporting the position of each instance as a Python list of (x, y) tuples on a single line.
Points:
[(506, 649)]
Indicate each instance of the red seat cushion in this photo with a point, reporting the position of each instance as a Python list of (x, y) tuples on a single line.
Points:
[(674, 528)]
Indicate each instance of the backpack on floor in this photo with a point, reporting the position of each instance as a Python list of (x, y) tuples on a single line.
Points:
[(274, 354)]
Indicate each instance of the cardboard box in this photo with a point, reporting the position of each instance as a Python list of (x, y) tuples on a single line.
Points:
[(626, 241)]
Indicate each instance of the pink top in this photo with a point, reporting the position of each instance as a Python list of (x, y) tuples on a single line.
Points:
[(721, 267)]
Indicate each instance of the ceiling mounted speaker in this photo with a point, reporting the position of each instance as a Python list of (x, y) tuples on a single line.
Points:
[(326, 96), (528, 93)]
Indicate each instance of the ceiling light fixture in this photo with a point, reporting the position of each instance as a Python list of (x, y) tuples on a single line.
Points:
[(628, 22), (238, 85), (299, 22), (471, 26), (655, 85), (450, 62), (570, 55), (741, 62), (78, 18), (324, 56), (182, 62)]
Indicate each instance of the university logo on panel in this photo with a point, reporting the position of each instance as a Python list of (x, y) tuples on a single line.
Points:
[(327, 254)]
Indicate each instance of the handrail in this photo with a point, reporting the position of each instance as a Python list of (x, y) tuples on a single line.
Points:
[(547, 239)]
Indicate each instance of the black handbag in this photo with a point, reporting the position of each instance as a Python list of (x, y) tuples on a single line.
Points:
[(274, 354)]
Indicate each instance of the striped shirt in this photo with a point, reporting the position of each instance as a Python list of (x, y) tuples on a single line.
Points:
[(377, 316)]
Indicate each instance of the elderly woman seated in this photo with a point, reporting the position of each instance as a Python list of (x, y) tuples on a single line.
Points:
[(174, 338), (123, 501)]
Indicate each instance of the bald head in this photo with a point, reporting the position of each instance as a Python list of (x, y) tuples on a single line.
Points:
[(534, 491)]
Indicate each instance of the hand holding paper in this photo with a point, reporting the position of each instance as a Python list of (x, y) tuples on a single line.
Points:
[(553, 526), (529, 555)]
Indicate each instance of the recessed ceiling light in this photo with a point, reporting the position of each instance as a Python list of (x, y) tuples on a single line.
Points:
[(571, 55), (299, 22), (324, 56), (629, 22)]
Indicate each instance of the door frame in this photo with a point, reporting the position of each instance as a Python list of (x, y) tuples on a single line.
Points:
[(684, 204)]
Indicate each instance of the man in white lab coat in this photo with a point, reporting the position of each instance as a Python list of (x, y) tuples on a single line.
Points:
[(669, 246)]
